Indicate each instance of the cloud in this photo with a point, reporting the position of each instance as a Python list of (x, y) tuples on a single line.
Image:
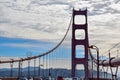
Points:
[(48, 20), (30, 20), (104, 25)]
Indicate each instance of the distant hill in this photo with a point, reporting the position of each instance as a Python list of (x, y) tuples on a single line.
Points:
[(45, 72)]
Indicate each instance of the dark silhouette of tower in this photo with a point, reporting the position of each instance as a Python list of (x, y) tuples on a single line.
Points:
[(83, 42)]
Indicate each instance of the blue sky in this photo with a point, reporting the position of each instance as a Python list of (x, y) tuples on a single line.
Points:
[(19, 46), (38, 25)]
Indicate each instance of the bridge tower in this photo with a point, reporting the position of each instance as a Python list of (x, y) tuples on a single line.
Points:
[(84, 42)]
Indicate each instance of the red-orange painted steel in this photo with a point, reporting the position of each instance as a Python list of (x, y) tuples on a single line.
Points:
[(84, 42)]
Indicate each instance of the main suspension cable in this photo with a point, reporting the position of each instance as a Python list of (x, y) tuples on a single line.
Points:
[(34, 57), (111, 48)]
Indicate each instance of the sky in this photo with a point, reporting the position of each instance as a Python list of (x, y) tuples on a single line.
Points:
[(28, 25), (36, 26)]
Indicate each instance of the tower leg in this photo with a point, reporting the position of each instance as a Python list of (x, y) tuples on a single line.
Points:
[(84, 42)]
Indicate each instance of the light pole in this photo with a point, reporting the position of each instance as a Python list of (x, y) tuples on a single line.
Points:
[(97, 49), (11, 71), (29, 54)]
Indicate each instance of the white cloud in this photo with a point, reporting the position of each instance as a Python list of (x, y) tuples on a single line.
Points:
[(32, 21), (48, 20)]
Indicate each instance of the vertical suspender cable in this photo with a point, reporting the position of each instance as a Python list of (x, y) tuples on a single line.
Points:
[(39, 68), (49, 65), (19, 69), (46, 66), (21, 66), (43, 67), (34, 67), (28, 68), (11, 71)]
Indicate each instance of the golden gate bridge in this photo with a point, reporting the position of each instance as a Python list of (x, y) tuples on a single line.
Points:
[(50, 60)]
